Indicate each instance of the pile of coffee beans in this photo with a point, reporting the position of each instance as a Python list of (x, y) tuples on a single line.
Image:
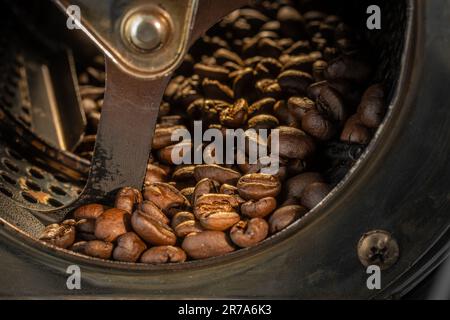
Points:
[(271, 66)]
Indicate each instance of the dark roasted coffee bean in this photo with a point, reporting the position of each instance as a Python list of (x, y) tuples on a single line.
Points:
[(91, 92), (298, 106), (98, 249), (79, 247), (254, 17), (258, 185), (150, 209), (318, 70), (212, 72), (259, 208), (129, 247), (262, 106), (163, 136), (295, 185), (188, 193), (349, 68), (371, 109), (207, 244), (294, 143), (294, 81), (163, 254), (235, 115), (330, 103), (154, 173), (243, 82), (204, 186), (127, 198), (283, 114), (172, 120), (249, 233), (291, 21), (111, 224), (268, 68), (89, 105), (299, 47), (213, 89), (60, 235), (216, 172), (285, 216), (164, 196), (272, 25), (301, 63), (152, 231), (268, 88), (317, 125), (86, 226), (355, 131), (263, 121), (223, 55), (268, 48), (314, 15), (314, 193)]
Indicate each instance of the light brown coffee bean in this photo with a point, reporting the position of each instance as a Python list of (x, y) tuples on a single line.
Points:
[(258, 185), (165, 196), (155, 173), (163, 254), (99, 249), (259, 208), (205, 186), (152, 231), (217, 173), (235, 115), (207, 244), (152, 210), (112, 224), (129, 247), (60, 235), (127, 198), (249, 233), (88, 211), (163, 136)]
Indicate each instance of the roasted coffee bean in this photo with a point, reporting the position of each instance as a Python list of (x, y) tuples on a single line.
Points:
[(259, 208), (213, 89), (127, 198), (294, 143), (249, 233), (79, 247), (299, 47), (98, 249), (318, 70), (152, 210), (151, 230), (268, 68), (180, 217), (298, 106), (284, 216), (314, 193), (163, 136), (164, 196), (295, 185), (216, 211), (60, 235), (355, 131), (172, 120), (129, 247), (88, 211), (89, 105), (263, 121), (223, 55), (166, 154), (301, 63), (217, 173), (272, 25), (262, 106), (86, 226), (268, 48), (212, 72), (205, 186), (184, 173), (207, 244), (188, 193), (330, 103), (235, 115), (294, 81), (91, 92), (111, 224), (268, 88), (258, 185), (154, 173), (371, 109), (228, 189), (291, 21), (348, 68), (283, 114), (163, 254), (317, 125), (187, 227)]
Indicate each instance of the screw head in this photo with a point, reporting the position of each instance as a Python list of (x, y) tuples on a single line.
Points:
[(146, 31), (379, 248)]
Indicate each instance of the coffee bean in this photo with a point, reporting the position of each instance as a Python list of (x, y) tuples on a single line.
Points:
[(301, 62), (188, 193), (284, 115), (204, 186), (355, 132), (258, 185), (164, 196), (263, 121), (235, 115), (268, 48), (163, 136), (317, 125), (79, 247), (299, 47), (318, 70), (163, 254), (151, 230), (249, 233), (166, 154), (291, 21), (187, 227), (223, 55), (129, 247), (127, 198), (259, 208), (60, 235), (268, 68), (371, 109), (262, 106), (213, 89), (294, 81), (268, 88), (154, 173), (331, 104), (216, 211), (349, 68), (152, 210), (295, 185), (285, 216), (184, 173), (216, 172), (207, 244), (294, 143), (98, 249), (298, 106), (111, 224), (88, 211), (314, 193), (212, 72)]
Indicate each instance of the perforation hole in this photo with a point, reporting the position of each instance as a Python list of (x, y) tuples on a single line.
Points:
[(14, 154), (33, 185), (54, 203), (6, 192), (57, 190), (7, 178), (61, 178), (11, 166), (28, 197), (36, 173)]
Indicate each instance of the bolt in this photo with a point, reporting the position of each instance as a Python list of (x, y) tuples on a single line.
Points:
[(146, 31), (378, 247)]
